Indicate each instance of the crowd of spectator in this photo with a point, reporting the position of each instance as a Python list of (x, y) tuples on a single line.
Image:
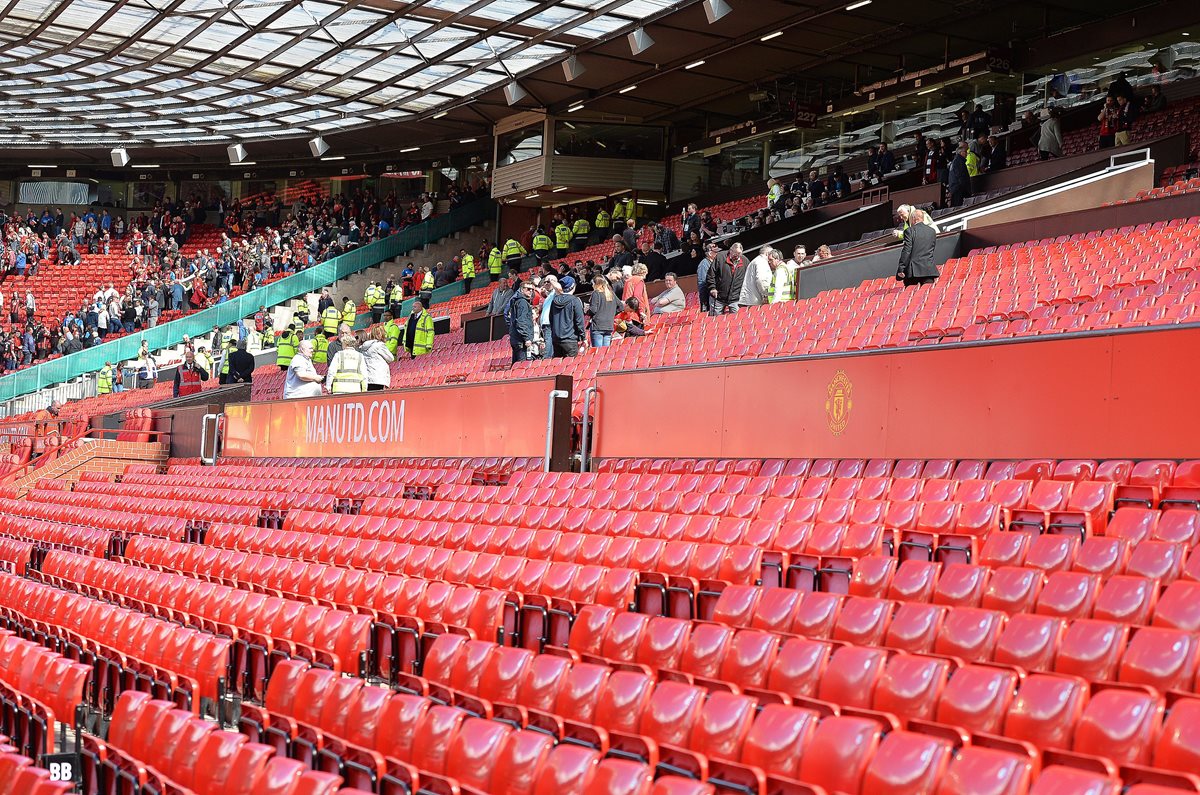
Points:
[(261, 239)]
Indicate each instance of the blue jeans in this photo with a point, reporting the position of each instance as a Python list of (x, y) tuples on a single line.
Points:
[(601, 339)]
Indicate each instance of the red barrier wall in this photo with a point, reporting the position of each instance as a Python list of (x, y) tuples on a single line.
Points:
[(503, 418), (1128, 395)]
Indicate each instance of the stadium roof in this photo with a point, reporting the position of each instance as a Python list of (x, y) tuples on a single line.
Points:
[(94, 73), (177, 80)]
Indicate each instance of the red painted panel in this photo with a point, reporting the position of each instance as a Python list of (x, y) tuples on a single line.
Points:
[(505, 418), (1117, 395)]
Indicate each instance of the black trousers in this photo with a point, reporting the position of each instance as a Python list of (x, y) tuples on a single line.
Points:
[(913, 281), (566, 348)]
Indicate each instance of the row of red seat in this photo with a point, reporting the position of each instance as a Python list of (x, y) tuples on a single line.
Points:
[(536, 581), (15, 554), (53, 535), (389, 743), (1101, 649), (191, 510), (1115, 470), (1162, 559), (940, 712), (64, 513), (1158, 658), (131, 650), (38, 688), (260, 627), (263, 500), (395, 480), (413, 608), (154, 747), (1106, 595), (20, 776)]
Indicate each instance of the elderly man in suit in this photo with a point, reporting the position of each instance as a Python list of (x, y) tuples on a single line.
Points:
[(916, 256)]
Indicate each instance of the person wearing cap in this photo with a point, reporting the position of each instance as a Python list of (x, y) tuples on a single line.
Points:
[(495, 263), (375, 301), (541, 246), (330, 319), (566, 320), (349, 311), (395, 297)]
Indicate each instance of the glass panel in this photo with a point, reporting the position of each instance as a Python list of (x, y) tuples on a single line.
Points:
[(523, 144), (588, 139)]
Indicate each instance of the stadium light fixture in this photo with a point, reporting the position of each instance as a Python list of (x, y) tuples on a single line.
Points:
[(572, 68), (694, 64), (859, 4), (715, 10), (770, 36), (409, 149), (333, 157), (318, 146), (120, 158), (236, 152), (514, 92), (627, 89), (640, 41), (468, 140)]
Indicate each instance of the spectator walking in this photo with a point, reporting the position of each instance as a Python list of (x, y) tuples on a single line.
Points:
[(724, 281), (1050, 140), (916, 256)]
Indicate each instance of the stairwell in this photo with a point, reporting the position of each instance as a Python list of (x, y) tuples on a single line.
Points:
[(102, 455)]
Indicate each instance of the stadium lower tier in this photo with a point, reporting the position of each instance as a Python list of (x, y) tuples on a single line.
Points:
[(663, 626), (1118, 278)]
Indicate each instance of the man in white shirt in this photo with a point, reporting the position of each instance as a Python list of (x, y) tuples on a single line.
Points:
[(302, 380), (426, 207), (799, 258), (758, 279), (671, 299)]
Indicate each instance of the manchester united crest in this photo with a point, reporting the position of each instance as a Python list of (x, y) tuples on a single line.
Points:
[(838, 402)]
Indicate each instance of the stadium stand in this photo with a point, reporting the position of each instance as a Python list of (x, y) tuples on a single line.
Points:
[(736, 555)]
